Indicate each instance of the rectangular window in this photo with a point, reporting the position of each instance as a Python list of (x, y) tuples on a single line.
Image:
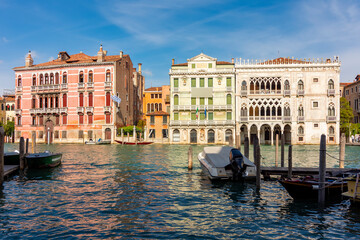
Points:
[(228, 116), (228, 81), (193, 65), (193, 116), (90, 119), (108, 118), (33, 103), (202, 101), (315, 80), (64, 120), (193, 82), (57, 120), (81, 134), (34, 121), (315, 104), (81, 119), (210, 65), (316, 125), (210, 101), (210, 116), (41, 120), (193, 101), (56, 134), (176, 82), (152, 133), (90, 134), (165, 133), (152, 120), (210, 82), (63, 134), (164, 119), (301, 139), (202, 82), (176, 116), (202, 116), (152, 95)]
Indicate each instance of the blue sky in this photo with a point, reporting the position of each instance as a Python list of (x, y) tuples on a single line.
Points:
[(155, 31)]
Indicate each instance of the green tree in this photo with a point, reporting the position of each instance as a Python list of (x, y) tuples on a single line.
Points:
[(141, 124), (9, 128), (346, 115)]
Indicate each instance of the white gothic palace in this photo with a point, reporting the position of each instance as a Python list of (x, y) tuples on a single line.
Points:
[(297, 99)]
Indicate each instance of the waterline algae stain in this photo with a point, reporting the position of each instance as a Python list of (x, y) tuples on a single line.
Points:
[(113, 191)]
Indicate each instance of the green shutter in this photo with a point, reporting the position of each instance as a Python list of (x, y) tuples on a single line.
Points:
[(210, 116), (176, 116), (176, 100), (193, 101), (193, 116), (210, 82), (176, 82), (228, 116), (228, 82), (193, 82), (202, 116), (202, 82), (202, 101), (210, 65), (193, 65), (228, 99), (210, 101)]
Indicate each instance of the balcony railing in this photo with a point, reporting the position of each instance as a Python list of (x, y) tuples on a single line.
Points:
[(301, 119), (229, 89), (90, 85), (90, 109), (331, 92), (300, 92), (244, 119), (45, 111), (265, 91), (176, 89), (33, 111), (287, 93), (81, 85), (202, 123), (286, 119), (80, 109), (18, 111), (243, 93), (18, 89), (202, 107), (107, 84), (64, 86), (107, 109), (33, 88), (330, 119), (262, 118), (63, 110)]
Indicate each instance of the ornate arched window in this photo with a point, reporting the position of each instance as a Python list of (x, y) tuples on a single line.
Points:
[(301, 111), (279, 111), (331, 84), (244, 112), (41, 82), (160, 107), (300, 85), (19, 81), (286, 111), (56, 78), (34, 80), (64, 78), (331, 111), (301, 130), (46, 79), (51, 78), (90, 76), (262, 111), (243, 86), (81, 77), (286, 85), (108, 76), (148, 108), (331, 130), (176, 99)]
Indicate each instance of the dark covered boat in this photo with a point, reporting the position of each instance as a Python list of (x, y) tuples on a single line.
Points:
[(43, 160), (12, 158), (307, 188), (133, 143)]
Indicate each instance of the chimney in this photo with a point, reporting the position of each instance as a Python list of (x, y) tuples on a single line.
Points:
[(121, 54), (173, 61), (28, 60), (100, 54), (232, 60), (139, 68)]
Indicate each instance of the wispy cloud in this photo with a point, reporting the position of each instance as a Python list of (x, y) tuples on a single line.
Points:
[(147, 73), (1, 61), (4, 39)]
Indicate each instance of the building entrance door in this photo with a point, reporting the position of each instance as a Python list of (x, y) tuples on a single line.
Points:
[(108, 134), (49, 131), (193, 136)]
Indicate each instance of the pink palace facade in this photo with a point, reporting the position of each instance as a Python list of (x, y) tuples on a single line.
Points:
[(69, 99)]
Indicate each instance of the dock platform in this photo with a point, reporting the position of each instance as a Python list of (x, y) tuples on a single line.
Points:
[(301, 171), (10, 170)]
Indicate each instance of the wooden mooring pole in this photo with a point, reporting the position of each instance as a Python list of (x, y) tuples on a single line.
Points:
[(282, 150), (322, 169), (22, 154), (342, 151), (257, 161), (33, 141), (276, 150), (290, 162), (27, 146), (2, 138), (122, 136), (190, 160), (246, 147)]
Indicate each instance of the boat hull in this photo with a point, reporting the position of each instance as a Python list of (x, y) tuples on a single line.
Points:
[(351, 191), (11, 158), (133, 143), (39, 160), (309, 190)]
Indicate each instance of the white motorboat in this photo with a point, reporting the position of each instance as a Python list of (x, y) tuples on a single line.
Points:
[(226, 163)]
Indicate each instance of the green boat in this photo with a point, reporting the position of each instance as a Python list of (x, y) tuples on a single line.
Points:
[(43, 160), (11, 158)]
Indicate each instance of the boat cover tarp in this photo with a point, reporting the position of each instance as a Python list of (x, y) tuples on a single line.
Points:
[(219, 156)]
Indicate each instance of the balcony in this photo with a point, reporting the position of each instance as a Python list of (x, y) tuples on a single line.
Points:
[(229, 89), (243, 93), (89, 109), (46, 88), (202, 123), (286, 119), (287, 93), (301, 119), (331, 92), (33, 88), (107, 109), (80, 109), (63, 110), (18, 89), (176, 89), (244, 119), (18, 111), (300, 92), (107, 84), (90, 85), (64, 86), (81, 86), (330, 119), (33, 111), (202, 107)]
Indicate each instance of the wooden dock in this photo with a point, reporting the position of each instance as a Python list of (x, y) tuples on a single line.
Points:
[(300, 171), (10, 170)]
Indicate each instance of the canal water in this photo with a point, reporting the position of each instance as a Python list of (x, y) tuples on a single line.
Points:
[(146, 192)]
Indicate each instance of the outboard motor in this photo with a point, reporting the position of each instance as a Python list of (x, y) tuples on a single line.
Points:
[(237, 164)]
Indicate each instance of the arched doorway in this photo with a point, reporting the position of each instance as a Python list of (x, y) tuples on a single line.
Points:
[(211, 136), (49, 130), (228, 134), (265, 134), (253, 133), (243, 133), (277, 130), (287, 134), (107, 134), (193, 136), (176, 135)]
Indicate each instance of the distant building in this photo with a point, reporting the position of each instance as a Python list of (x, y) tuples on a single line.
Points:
[(10, 107), (2, 110), (352, 94), (156, 113), (202, 101), (342, 86), (69, 99)]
